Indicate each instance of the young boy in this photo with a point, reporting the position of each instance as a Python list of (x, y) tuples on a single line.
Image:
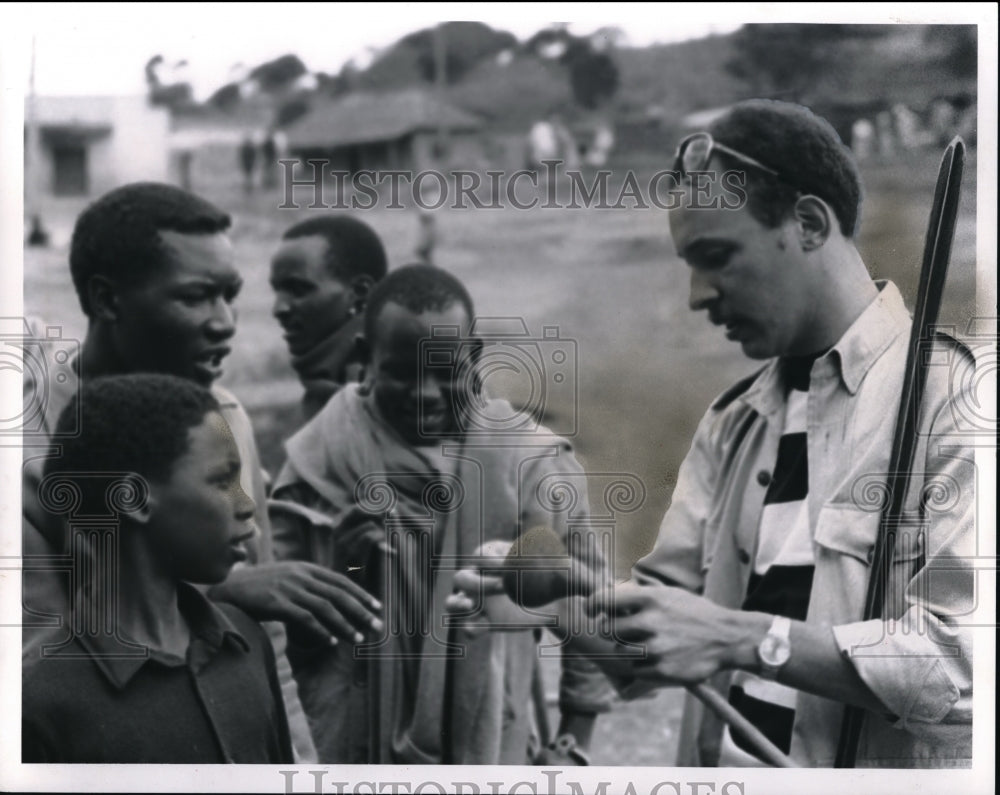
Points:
[(173, 678), (322, 275), (402, 436)]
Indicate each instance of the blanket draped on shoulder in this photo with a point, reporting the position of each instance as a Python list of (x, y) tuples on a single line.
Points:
[(426, 692)]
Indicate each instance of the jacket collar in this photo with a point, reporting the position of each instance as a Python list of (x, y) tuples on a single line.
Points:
[(864, 342), (870, 335), (120, 659)]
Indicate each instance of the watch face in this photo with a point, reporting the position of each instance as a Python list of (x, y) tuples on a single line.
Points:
[(775, 650)]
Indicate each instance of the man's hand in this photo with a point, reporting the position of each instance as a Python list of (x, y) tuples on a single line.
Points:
[(685, 638), (478, 588), (322, 603)]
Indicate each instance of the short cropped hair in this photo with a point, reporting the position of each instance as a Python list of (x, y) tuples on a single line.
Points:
[(352, 247), (803, 148), (127, 423), (118, 235), (418, 288)]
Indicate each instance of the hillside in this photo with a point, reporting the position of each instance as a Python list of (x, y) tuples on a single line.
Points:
[(680, 78), (862, 66), (516, 94), (841, 71)]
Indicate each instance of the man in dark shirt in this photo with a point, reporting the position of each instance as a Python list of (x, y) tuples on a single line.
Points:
[(169, 677)]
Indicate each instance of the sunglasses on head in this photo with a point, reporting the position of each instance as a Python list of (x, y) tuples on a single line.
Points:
[(695, 152)]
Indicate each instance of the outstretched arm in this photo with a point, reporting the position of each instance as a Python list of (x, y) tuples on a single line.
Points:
[(324, 604)]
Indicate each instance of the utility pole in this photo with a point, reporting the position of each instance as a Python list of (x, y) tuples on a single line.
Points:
[(440, 86), (37, 236)]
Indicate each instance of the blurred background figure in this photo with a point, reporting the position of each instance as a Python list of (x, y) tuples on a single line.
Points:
[(909, 128), (600, 147), (38, 236), (426, 238), (247, 160), (886, 134), (569, 150), (269, 160), (543, 144), (185, 159), (863, 139)]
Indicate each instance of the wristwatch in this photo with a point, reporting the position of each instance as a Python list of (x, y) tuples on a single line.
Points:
[(775, 649)]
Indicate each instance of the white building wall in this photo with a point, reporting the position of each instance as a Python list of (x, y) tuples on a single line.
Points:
[(137, 147)]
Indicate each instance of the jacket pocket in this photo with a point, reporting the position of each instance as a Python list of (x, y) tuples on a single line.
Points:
[(851, 531), (845, 536)]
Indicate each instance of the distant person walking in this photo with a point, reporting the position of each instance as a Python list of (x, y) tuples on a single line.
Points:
[(269, 161), (248, 159), (543, 144), (185, 160), (426, 238)]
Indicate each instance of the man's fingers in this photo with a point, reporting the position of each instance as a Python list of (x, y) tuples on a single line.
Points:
[(492, 554), (468, 580), (639, 688), (459, 603), (343, 587), (474, 582), (618, 600), (306, 621), (629, 598), (321, 574), (358, 613), (492, 585), (598, 601), (330, 617), (631, 628)]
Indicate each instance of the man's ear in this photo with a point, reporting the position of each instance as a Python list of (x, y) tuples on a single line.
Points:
[(814, 220), (361, 287), (102, 298), (142, 512)]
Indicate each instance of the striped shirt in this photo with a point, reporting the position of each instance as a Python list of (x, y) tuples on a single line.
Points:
[(782, 573)]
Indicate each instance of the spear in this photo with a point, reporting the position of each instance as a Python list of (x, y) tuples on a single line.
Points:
[(937, 250)]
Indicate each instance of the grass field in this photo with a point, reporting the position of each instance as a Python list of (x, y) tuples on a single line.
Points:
[(609, 280)]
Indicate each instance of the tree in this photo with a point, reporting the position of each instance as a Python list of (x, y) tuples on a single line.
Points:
[(959, 46), (173, 95), (226, 97), (290, 111), (593, 74), (784, 60), (593, 77), (466, 44), (277, 74)]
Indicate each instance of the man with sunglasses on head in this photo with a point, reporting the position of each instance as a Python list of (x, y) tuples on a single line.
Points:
[(757, 581)]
